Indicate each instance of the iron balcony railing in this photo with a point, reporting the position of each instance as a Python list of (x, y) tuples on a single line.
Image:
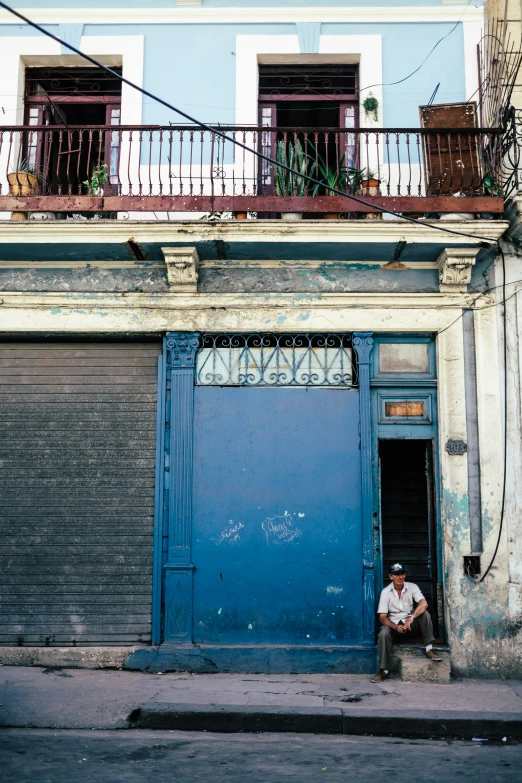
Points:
[(186, 169)]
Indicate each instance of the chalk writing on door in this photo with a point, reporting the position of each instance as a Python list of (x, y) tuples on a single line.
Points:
[(230, 534), (281, 530)]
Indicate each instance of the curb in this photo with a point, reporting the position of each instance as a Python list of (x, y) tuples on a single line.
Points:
[(327, 720)]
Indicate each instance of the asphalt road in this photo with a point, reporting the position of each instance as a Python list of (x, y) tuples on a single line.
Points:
[(73, 756)]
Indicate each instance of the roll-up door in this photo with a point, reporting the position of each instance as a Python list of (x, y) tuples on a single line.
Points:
[(77, 462)]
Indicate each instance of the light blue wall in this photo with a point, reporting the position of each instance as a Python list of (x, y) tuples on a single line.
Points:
[(194, 66), (199, 74)]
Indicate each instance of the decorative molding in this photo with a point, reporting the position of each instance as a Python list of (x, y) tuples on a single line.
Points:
[(266, 231), (182, 268), (362, 344), (455, 265), (71, 34), (181, 349), (308, 34), (270, 15)]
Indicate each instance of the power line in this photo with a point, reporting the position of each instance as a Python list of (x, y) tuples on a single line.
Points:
[(400, 81)]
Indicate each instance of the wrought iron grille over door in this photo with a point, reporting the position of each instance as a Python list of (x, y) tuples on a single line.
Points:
[(318, 360)]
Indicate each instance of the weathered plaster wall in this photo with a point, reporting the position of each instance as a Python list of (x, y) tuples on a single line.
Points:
[(234, 277), (484, 635)]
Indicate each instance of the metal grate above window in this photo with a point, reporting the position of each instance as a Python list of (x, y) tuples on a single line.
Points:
[(335, 80), (276, 360), (77, 82)]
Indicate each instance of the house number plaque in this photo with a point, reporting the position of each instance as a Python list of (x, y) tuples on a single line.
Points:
[(456, 447)]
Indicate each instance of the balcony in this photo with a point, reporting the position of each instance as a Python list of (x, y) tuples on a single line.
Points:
[(122, 171)]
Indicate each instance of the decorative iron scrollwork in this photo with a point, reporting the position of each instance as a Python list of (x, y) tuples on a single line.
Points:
[(276, 360)]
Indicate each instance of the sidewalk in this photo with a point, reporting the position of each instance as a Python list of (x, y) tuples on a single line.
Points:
[(326, 703)]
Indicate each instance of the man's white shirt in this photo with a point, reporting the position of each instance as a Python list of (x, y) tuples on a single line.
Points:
[(397, 608)]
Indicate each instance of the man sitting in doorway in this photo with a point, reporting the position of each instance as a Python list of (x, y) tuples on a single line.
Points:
[(398, 617)]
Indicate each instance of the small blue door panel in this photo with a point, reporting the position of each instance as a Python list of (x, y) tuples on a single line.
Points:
[(277, 529)]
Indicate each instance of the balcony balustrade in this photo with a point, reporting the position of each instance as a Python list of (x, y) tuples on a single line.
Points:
[(183, 169)]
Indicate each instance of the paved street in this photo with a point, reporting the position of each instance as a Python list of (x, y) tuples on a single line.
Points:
[(57, 756)]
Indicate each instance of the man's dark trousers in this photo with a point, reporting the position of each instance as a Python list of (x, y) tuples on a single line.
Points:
[(421, 624)]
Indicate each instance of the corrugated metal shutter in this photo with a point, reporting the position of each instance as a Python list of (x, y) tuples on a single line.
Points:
[(77, 460)]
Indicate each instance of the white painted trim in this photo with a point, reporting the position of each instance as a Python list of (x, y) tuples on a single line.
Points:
[(472, 33), (354, 15), (368, 51), (15, 52), (248, 50)]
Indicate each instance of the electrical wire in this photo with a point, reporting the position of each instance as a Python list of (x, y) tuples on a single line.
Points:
[(237, 143), (400, 81)]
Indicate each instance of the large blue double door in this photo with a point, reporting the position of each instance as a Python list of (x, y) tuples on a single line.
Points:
[(277, 527)]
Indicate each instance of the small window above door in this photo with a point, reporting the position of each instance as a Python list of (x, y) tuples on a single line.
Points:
[(399, 359)]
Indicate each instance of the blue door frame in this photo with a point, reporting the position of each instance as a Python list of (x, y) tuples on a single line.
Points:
[(173, 609), (401, 386)]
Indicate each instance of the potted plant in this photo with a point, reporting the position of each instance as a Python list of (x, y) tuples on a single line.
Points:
[(99, 176), (23, 181), (292, 183), (371, 106), (370, 187)]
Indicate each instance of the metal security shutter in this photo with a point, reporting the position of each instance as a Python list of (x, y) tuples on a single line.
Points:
[(77, 461)]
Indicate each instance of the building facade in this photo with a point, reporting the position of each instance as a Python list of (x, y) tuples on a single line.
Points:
[(233, 392)]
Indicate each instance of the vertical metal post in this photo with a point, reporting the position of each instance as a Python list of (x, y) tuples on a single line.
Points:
[(363, 344), (472, 434), (181, 358)]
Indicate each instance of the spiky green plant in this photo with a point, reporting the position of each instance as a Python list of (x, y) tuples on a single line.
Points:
[(292, 154)]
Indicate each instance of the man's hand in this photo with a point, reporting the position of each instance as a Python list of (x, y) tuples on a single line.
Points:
[(407, 624)]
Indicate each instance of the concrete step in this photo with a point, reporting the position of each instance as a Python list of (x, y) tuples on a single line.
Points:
[(413, 666)]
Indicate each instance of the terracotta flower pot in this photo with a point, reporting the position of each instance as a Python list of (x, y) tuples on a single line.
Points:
[(240, 215), (331, 215)]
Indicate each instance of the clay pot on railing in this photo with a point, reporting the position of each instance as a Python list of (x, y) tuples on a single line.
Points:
[(21, 183), (370, 187), (241, 215)]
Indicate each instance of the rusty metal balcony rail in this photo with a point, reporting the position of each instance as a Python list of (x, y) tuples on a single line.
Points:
[(184, 169)]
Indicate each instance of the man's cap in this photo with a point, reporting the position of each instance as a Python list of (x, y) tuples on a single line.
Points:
[(397, 568)]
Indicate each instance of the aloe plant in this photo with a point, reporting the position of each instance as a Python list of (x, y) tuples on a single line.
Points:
[(292, 154)]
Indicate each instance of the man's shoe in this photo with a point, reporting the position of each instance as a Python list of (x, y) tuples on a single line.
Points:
[(380, 676), (433, 656)]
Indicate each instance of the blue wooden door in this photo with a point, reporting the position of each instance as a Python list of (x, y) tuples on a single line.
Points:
[(277, 529)]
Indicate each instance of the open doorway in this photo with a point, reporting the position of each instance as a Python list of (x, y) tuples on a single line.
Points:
[(313, 107), (408, 516), (77, 105)]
